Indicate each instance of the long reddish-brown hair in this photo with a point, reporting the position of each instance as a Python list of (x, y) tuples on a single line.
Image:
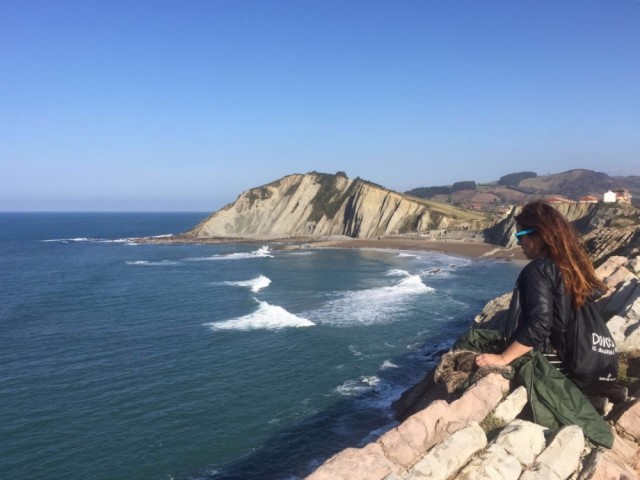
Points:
[(561, 244)]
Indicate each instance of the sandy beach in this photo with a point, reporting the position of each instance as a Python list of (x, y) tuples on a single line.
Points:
[(463, 248), (452, 247)]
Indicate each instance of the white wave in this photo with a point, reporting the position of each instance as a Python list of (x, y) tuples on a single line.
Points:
[(352, 388), (262, 252), (266, 317), (147, 262), (126, 241), (372, 381), (67, 240), (372, 306), (387, 364), (396, 272), (404, 255), (117, 240), (255, 284)]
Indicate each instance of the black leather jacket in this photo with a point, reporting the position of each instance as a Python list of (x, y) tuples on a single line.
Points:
[(540, 310)]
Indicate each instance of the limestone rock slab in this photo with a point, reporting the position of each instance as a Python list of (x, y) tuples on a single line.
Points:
[(481, 398), (628, 425), (610, 265), (634, 265), (493, 463), (524, 440), (450, 455), (561, 458), (511, 406), (606, 465), (368, 463)]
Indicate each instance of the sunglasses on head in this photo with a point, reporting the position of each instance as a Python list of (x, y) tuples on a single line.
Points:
[(522, 233)]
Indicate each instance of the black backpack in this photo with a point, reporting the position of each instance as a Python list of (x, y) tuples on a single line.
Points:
[(591, 355)]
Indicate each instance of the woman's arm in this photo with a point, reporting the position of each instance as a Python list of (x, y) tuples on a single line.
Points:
[(513, 351)]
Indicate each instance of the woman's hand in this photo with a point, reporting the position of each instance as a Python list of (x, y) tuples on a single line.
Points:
[(513, 351), (486, 359)]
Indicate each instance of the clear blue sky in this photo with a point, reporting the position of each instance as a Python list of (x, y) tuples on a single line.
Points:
[(183, 104)]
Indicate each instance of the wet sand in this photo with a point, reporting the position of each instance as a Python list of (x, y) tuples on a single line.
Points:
[(473, 249)]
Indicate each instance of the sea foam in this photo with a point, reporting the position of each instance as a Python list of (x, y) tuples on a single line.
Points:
[(374, 305), (266, 317), (262, 252), (126, 241), (151, 263), (67, 240), (255, 284), (352, 388), (387, 364)]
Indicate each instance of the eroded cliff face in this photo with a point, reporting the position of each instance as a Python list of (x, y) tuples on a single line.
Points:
[(318, 204), (607, 229)]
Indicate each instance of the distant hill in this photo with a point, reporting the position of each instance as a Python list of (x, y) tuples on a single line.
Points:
[(319, 204), (522, 187)]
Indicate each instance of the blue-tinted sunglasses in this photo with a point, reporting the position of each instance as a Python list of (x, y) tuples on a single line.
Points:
[(522, 233)]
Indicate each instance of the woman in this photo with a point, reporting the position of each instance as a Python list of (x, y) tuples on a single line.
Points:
[(559, 280)]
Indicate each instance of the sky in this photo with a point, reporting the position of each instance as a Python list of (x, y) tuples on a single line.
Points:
[(155, 105)]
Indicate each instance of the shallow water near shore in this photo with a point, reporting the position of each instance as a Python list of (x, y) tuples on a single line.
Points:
[(227, 361)]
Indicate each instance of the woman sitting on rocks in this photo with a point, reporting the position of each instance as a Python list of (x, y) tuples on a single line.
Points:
[(557, 283)]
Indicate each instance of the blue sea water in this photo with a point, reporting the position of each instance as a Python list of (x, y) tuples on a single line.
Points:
[(134, 361)]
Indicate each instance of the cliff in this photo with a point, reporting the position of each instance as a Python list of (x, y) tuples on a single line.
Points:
[(317, 205), (607, 228), (478, 435)]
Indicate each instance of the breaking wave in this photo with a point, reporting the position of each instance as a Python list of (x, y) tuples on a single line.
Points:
[(255, 284), (387, 364), (126, 241), (371, 306), (157, 263), (67, 240), (266, 317), (262, 252), (364, 384)]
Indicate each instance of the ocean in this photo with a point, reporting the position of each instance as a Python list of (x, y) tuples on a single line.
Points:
[(239, 361)]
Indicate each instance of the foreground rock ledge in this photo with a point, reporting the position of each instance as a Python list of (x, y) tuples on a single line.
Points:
[(448, 440)]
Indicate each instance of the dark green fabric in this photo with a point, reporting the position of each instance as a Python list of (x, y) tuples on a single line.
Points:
[(554, 399)]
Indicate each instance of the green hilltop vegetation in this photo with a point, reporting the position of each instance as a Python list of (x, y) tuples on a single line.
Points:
[(522, 187)]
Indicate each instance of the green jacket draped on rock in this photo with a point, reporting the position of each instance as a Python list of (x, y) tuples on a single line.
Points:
[(554, 399)]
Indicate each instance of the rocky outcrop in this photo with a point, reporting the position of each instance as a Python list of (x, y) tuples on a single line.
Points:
[(605, 242), (317, 205), (607, 229), (478, 435)]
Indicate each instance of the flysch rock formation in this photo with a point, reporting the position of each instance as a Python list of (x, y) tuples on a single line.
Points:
[(607, 229), (322, 205), (447, 439)]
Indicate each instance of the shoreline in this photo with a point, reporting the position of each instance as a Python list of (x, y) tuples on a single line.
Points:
[(472, 249), (463, 248)]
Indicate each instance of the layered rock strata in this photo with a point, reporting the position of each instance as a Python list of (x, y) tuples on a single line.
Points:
[(318, 205), (607, 229), (478, 436)]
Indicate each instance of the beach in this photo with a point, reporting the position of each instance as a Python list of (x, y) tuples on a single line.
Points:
[(464, 248), (474, 249)]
